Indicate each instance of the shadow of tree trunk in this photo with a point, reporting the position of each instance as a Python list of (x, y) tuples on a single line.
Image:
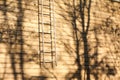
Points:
[(78, 14), (16, 44), (85, 5), (13, 38), (20, 36), (80, 20), (77, 41)]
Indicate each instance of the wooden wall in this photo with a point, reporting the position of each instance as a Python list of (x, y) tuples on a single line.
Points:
[(88, 40)]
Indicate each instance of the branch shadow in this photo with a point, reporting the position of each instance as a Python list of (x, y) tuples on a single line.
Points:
[(12, 36), (77, 13), (79, 17), (85, 29), (20, 36), (14, 41)]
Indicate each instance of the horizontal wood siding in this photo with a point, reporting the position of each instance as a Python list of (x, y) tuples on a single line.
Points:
[(95, 55)]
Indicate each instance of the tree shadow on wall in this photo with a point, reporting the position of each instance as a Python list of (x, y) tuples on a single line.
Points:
[(79, 17), (78, 13), (12, 36), (85, 24)]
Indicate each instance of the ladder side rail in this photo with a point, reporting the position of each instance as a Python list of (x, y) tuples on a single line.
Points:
[(38, 32), (42, 25), (54, 26), (50, 5)]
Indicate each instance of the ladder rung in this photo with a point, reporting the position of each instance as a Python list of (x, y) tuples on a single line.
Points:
[(44, 23), (45, 14), (45, 32), (47, 23), (46, 61), (48, 52), (46, 42)]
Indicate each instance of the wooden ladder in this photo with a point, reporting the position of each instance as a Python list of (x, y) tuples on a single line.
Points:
[(46, 32)]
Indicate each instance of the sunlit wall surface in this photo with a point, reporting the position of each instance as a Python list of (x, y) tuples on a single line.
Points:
[(87, 38)]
